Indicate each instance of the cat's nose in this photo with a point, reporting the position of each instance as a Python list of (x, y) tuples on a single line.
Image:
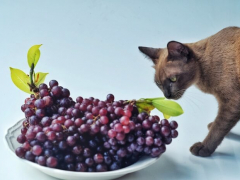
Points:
[(167, 95)]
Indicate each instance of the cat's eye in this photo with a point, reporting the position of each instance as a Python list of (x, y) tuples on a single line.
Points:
[(173, 78)]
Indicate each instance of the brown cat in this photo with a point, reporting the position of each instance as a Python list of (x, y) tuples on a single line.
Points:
[(213, 65)]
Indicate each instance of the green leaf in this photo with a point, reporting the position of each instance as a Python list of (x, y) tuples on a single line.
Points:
[(145, 106), (168, 107), (39, 78), (20, 79), (33, 55), (166, 116)]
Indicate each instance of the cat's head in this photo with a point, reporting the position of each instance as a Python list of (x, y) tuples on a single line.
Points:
[(175, 68)]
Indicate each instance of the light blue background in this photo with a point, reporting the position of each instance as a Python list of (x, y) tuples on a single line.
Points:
[(90, 47)]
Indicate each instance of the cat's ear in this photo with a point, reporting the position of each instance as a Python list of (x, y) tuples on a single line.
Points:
[(152, 53), (177, 50)]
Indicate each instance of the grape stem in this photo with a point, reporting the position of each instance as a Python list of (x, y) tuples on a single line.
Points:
[(32, 85)]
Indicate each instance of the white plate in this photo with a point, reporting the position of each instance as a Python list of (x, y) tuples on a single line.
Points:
[(12, 143)]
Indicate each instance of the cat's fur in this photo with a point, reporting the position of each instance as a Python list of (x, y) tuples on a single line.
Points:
[(213, 65)]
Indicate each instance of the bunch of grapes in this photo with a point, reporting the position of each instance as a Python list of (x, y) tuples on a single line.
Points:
[(88, 135)]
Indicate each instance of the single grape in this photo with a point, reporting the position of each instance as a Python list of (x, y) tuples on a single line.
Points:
[(112, 133), (149, 141), (40, 113), (29, 156), (140, 141), (110, 98), (20, 152), (164, 122), (65, 92), (122, 152), (53, 83), (37, 150), (157, 141), (87, 152), (124, 120), (120, 136), (174, 133), (51, 162), (81, 167), (119, 111), (156, 127), (173, 124), (77, 149), (114, 166), (69, 158), (101, 168), (165, 130), (41, 160), (28, 112), (79, 99), (89, 162), (21, 138), (51, 135), (71, 140)]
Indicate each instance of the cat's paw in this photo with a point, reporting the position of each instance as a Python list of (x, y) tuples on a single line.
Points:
[(209, 125), (198, 149)]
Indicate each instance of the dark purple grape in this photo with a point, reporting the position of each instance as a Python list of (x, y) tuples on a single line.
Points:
[(41, 160), (47, 100), (157, 141), (140, 141), (51, 162), (37, 150), (51, 135), (146, 124), (110, 98), (77, 149), (81, 167), (149, 133), (98, 158), (56, 91), (40, 113), (89, 162), (43, 93), (65, 92), (173, 124), (91, 169), (122, 152), (149, 141), (71, 167), (20, 152), (28, 112), (62, 145), (29, 156), (69, 158), (165, 130), (48, 152), (53, 83), (71, 140), (39, 103), (164, 122), (48, 145), (174, 133), (21, 139), (114, 166), (87, 152), (101, 168), (156, 127), (43, 86)]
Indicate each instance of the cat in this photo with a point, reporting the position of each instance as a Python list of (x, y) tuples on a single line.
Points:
[(213, 66)]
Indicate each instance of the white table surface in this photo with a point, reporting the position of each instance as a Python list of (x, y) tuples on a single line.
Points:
[(90, 47)]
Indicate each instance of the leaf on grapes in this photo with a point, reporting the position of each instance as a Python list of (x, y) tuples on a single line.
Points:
[(20, 79), (166, 116), (39, 78), (33, 55), (168, 107), (143, 106)]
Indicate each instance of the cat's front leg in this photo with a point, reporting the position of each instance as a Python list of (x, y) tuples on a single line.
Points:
[(225, 120)]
